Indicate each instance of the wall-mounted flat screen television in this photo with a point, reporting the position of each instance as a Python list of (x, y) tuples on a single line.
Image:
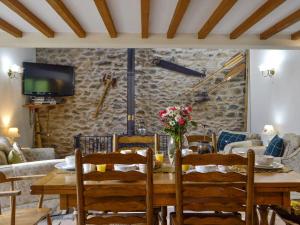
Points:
[(48, 80)]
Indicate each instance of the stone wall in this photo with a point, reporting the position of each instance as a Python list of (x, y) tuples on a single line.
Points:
[(156, 88)]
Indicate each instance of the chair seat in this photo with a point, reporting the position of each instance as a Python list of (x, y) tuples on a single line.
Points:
[(207, 218), (25, 216)]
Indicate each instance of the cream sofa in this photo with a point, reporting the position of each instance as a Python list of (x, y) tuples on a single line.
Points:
[(39, 161), (291, 155)]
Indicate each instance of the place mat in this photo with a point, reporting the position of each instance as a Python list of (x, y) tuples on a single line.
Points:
[(58, 171), (240, 169), (165, 168), (281, 170)]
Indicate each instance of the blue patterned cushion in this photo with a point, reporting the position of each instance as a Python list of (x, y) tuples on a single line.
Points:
[(275, 147), (227, 138)]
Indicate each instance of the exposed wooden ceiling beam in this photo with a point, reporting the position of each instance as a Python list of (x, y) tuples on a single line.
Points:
[(215, 18), (255, 17), (106, 17), (180, 10), (145, 13), (10, 29), (22, 11), (295, 36), (67, 16), (281, 25)]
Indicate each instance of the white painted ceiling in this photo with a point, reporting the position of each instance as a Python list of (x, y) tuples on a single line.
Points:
[(126, 16)]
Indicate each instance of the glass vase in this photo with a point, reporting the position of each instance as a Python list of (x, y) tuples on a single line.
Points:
[(171, 150)]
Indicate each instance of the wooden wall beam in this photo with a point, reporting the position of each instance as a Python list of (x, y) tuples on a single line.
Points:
[(281, 25), (179, 12), (67, 16), (23, 12), (10, 29), (255, 17), (295, 36), (106, 17), (216, 17), (145, 13)]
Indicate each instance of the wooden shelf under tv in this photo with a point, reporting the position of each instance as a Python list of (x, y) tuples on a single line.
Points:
[(41, 106)]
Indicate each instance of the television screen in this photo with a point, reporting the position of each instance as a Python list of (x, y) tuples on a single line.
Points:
[(48, 80)]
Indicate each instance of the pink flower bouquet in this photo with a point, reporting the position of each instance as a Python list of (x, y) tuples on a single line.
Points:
[(176, 120)]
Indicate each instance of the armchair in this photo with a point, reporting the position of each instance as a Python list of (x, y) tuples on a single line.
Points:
[(292, 160), (28, 216)]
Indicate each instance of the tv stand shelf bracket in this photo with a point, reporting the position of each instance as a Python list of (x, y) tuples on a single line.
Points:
[(35, 109)]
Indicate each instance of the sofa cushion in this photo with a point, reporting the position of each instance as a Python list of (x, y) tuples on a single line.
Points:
[(291, 143), (227, 138), (17, 149), (275, 147), (38, 154), (249, 136), (5, 145), (14, 157), (3, 158)]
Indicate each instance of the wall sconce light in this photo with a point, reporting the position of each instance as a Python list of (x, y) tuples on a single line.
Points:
[(15, 71), (13, 133), (267, 71)]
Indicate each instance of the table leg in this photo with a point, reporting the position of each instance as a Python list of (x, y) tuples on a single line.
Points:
[(164, 212), (263, 211)]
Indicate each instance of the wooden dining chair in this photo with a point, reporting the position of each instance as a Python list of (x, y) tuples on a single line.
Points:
[(222, 193), (194, 140), (27, 216), (135, 142), (102, 192)]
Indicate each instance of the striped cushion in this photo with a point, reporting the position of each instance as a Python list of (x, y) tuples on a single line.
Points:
[(227, 138), (275, 147)]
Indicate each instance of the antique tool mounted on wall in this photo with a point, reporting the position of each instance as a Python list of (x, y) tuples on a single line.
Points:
[(235, 71), (235, 60), (177, 68), (109, 82), (235, 65)]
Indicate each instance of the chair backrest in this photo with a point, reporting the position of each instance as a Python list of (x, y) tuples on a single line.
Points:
[(101, 191), (215, 191), (194, 140), (135, 142)]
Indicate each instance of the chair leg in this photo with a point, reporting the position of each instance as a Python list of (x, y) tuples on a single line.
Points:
[(164, 213), (273, 218), (49, 220)]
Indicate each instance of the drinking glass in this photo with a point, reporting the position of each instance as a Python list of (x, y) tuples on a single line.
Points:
[(101, 168)]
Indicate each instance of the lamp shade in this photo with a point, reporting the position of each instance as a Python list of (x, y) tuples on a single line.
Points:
[(269, 130), (13, 132), (267, 134)]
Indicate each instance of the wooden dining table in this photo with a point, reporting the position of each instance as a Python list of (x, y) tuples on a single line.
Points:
[(270, 189)]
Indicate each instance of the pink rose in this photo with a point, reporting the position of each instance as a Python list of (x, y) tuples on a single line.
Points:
[(181, 121), (189, 108), (173, 108), (162, 112)]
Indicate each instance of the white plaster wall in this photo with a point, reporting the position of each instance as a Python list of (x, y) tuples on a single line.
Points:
[(12, 114), (275, 101)]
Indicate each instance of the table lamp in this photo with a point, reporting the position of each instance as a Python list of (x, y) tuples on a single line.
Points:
[(268, 133), (13, 132)]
